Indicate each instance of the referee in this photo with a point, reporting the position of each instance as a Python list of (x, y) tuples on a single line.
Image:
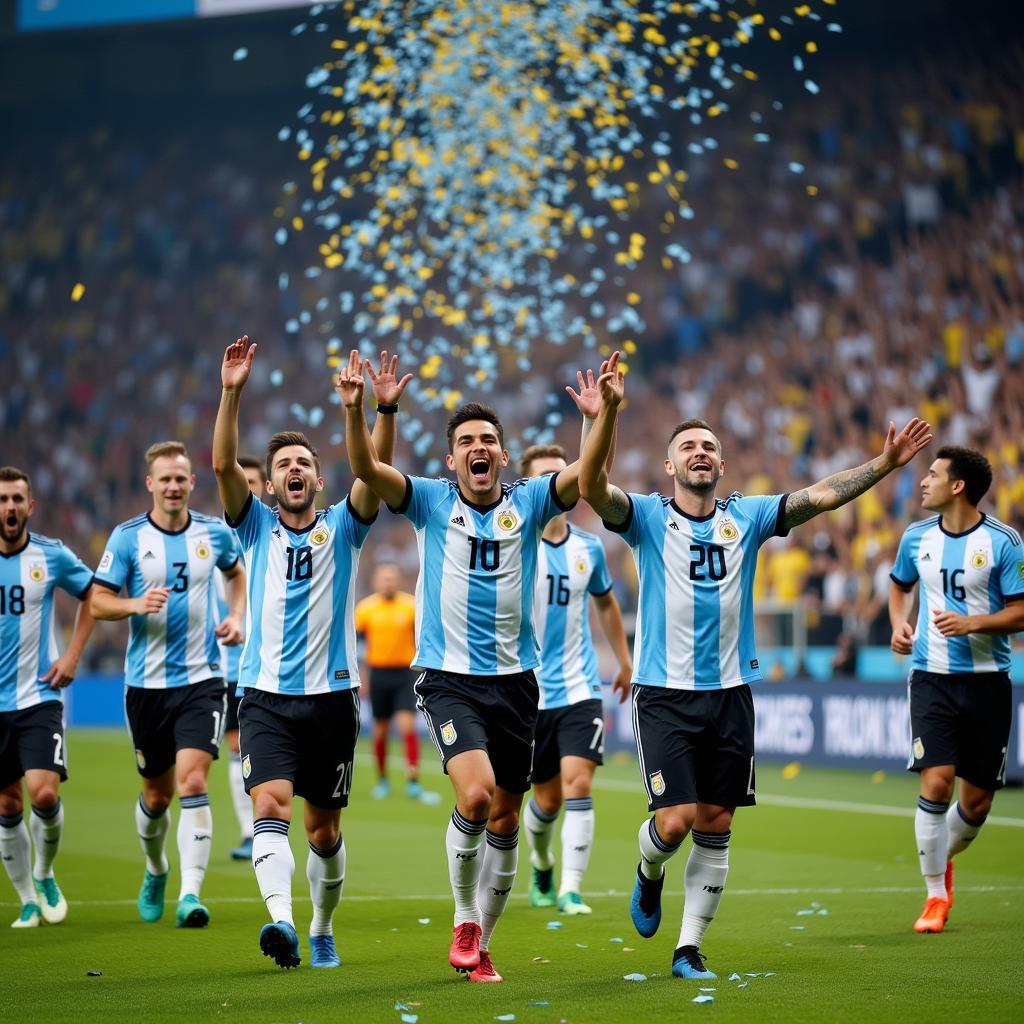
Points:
[(386, 619)]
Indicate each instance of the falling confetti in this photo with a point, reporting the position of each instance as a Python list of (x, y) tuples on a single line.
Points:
[(240, 54), (77, 292)]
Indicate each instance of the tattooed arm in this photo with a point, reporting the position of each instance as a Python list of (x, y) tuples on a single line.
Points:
[(838, 489)]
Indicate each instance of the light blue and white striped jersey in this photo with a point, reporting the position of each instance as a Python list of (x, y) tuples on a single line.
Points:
[(695, 621), (300, 622), (977, 572), (175, 646), (230, 657), (28, 642), (567, 573), (474, 595)]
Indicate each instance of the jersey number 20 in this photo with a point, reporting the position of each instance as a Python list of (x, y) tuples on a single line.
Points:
[(708, 562)]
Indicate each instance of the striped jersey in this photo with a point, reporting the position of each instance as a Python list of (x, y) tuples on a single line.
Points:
[(28, 641), (175, 646), (300, 636), (567, 573), (977, 572), (695, 621), (475, 591), (230, 655)]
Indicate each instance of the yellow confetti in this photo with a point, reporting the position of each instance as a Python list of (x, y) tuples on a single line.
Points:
[(77, 292)]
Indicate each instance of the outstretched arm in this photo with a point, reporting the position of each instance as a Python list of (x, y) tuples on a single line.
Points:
[(607, 500), (1005, 622), (384, 481), (234, 372), (836, 490), (588, 401)]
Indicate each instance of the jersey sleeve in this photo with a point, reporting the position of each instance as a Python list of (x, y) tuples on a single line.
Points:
[(904, 572), (600, 578), (353, 527), (250, 522), (542, 497), (116, 564), (641, 507), (229, 550), (422, 496), (1011, 570), (72, 574), (768, 514)]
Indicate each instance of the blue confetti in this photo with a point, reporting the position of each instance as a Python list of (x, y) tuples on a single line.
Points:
[(240, 54)]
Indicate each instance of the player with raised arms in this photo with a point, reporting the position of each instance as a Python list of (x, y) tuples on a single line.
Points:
[(476, 647), (693, 715), (970, 568), (299, 715), (32, 675)]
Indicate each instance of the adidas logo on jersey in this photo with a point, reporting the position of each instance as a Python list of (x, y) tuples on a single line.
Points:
[(458, 521), (148, 554), (926, 557), (672, 525)]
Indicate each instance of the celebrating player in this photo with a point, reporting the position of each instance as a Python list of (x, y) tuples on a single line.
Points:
[(32, 675), (232, 657), (476, 645), (175, 698), (693, 715), (387, 620), (971, 570), (299, 715), (570, 724)]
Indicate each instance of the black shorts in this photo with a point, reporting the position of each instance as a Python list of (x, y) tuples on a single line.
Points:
[(234, 698), (162, 722), (493, 713), (32, 738), (695, 746), (391, 690), (573, 731), (962, 720), (310, 741)]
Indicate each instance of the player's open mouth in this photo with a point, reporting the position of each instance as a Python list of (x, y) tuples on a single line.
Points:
[(295, 485), (700, 465), (11, 520), (479, 469)]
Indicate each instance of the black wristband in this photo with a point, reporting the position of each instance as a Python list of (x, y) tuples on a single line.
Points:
[(388, 410)]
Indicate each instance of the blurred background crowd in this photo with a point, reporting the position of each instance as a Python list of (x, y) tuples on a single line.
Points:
[(882, 281)]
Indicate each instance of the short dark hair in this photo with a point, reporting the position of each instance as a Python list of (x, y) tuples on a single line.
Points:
[(285, 439), (474, 411), (251, 462), (694, 424), (540, 451), (971, 466), (9, 474)]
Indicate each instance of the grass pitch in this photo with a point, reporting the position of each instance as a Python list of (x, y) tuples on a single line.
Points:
[(832, 841)]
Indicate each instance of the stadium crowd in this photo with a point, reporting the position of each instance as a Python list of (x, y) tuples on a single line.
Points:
[(802, 324)]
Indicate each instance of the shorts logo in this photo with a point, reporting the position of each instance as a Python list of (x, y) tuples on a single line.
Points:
[(140, 760), (918, 748), (246, 767), (319, 537), (727, 530), (979, 560), (202, 550), (37, 572), (108, 560), (507, 521), (581, 565), (657, 783), (448, 733)]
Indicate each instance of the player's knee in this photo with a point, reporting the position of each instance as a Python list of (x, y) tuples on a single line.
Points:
[(549, 803), (976, 806), (674, 823), (323, 836), (267, 805), (11, 801), (577, 786), (193, 782), (503, 823), (156, 801), (938, 789), (45, 796)]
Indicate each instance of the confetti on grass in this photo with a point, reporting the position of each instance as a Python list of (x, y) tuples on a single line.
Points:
[(634, 977), (703, 999)]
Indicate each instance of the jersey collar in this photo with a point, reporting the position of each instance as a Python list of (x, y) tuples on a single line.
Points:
[(693, 519), (12, 554), (949, 533), (559, 543), (169, 533)]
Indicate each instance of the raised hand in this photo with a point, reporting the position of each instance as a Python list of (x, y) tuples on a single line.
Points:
[(350, 381), (237, 365), (151, 601), (900, 448), (612, 382), (588, 400), (387, 388)]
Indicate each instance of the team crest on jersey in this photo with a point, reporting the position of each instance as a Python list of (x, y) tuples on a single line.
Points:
[(448, 733), (246, 767), (319, 537), (106, 561), (140, 760), (657, 783), (202, 550), (37, 572), (727, 530), (581, 565), (507, 521), (979, 559), (918, 748)]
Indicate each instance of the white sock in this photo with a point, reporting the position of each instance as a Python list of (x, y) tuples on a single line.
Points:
[(577, 839), (46, 827), (654, 851), (539, 829), (239, 797), (274, 864), (961, 829), (501, 857), (932, 844), (16, 851), (152, 829), (704, 881), (325, 870), (195, 836), (465, 861)]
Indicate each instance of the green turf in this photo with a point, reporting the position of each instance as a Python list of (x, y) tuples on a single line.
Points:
[(860, 962)]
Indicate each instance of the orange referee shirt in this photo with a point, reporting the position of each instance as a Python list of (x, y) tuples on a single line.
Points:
[(389, 628)]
